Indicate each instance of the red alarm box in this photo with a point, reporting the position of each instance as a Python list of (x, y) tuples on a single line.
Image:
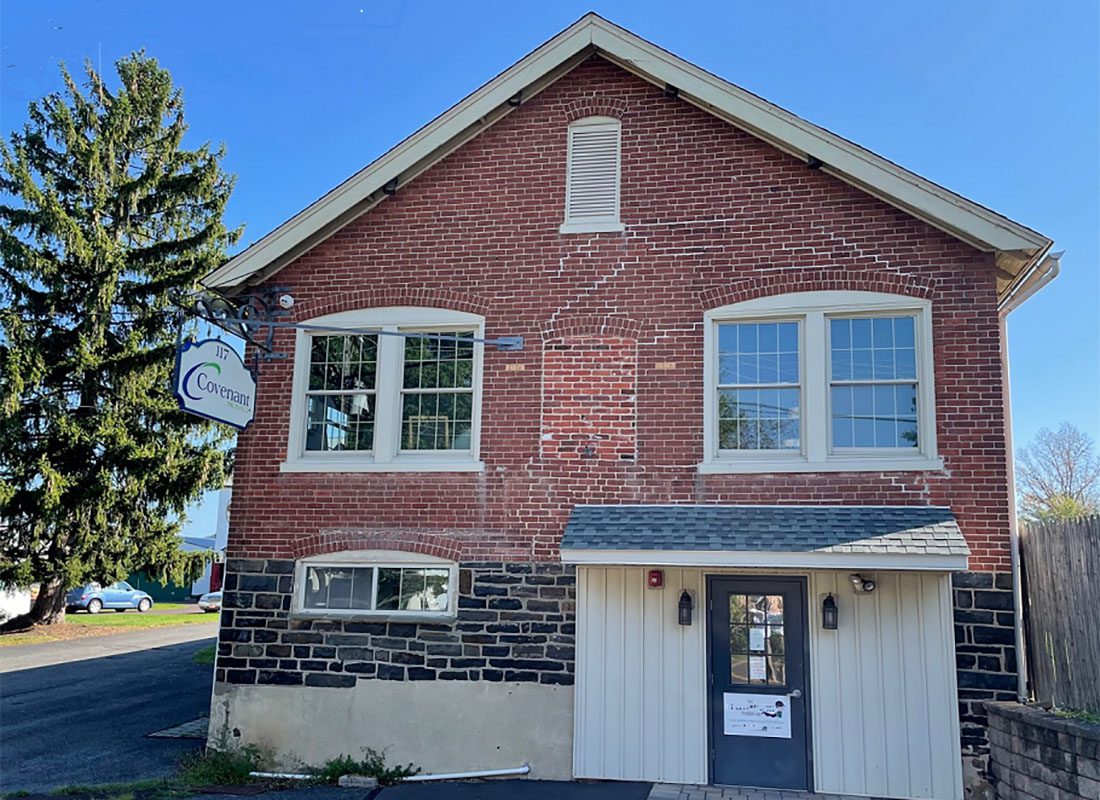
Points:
[(656, 579)]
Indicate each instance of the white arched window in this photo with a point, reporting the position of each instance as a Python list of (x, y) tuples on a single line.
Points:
[(592, 171), (386, 399), (819, 381)]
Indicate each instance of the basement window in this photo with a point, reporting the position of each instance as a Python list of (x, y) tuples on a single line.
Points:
[(399, 586), (592, 176)]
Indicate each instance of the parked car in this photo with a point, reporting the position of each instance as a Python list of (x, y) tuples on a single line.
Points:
[(211, 601), (120, 596)]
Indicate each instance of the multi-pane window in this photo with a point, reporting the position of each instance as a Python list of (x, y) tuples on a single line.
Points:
[(437, 392), (873, 382), (759, 394), (393, 589), (340, 395), (757, 642), (387, 389), (829, 381)]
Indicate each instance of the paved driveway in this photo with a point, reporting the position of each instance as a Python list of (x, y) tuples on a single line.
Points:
[(85, 719)]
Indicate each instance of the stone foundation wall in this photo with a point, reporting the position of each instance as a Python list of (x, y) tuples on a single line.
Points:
[(515, 623), (985, 651), (1036, 755)]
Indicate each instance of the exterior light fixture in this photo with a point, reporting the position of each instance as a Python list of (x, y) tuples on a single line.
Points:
[(861, 585), (686, 605), (829, 615)]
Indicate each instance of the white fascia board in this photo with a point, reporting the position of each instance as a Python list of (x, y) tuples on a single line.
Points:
[(422, 144), (848, 161), (732, 558)]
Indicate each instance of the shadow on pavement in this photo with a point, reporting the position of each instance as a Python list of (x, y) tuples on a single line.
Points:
[(86, 722)]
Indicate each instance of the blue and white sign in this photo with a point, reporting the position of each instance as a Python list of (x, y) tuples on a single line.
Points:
[(213, 382)]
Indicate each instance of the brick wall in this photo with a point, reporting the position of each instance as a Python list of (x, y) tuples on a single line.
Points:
[(1039, 756), (713, 216)]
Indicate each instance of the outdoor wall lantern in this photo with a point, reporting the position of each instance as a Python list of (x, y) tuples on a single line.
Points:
[(829, 616), (686, 605)]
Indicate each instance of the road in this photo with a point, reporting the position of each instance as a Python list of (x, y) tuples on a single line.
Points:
[(78, 712)]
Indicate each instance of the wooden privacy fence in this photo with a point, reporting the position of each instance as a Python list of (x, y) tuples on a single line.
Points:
[(1061, 571)]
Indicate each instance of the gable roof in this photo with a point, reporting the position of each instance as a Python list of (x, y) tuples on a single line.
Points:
[(1019, 250)]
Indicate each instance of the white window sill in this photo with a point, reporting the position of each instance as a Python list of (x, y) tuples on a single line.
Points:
[(375, 616), (841, 464), (592, 227), (366, 465)]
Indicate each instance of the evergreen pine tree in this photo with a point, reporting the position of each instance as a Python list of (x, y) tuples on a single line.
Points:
[(105, 222)]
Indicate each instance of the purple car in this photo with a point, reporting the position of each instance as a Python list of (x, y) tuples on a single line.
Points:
[(94, 598)]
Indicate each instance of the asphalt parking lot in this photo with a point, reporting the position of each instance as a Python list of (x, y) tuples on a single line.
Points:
[(80, 712)]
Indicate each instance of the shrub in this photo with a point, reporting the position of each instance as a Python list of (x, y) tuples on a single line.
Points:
[(220, 767), (372, 765)]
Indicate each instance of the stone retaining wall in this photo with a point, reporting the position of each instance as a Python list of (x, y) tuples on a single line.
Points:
[(1036, 755), (515, 622)]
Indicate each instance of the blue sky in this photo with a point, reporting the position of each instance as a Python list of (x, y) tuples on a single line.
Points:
[(996, 99)]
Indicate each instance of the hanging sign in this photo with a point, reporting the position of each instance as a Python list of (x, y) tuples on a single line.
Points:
[(767, 715), (213, 382)]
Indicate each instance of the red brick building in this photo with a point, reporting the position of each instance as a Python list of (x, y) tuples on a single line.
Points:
[(761, 380)]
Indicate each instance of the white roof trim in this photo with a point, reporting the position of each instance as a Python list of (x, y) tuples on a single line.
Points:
[(733, 558), (1018, 248)]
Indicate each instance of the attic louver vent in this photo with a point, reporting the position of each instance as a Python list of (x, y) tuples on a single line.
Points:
[(592, 176)]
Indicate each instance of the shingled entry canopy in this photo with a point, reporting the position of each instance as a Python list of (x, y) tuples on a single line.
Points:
[(808, 537)]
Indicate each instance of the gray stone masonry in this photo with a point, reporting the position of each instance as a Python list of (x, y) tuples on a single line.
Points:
[(1037, 755), (985, 650), (516, 622)]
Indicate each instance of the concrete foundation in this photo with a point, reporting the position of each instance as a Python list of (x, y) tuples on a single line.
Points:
[(440, 726)]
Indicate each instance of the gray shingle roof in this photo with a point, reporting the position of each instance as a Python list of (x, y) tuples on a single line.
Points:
[(895, 530)]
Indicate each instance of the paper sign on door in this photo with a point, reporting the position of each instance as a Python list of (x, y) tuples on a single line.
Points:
[(766, 715), (756, 638)]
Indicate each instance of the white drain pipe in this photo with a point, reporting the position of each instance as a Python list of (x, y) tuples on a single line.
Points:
[(458, 776), (290, 776), (442, 776)]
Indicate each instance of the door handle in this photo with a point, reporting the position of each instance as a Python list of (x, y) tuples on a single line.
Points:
[(796, 694)]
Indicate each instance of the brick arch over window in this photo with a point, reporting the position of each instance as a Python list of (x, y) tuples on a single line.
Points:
[(808, 281), (595, 106), (407, 541), (591, 325), (335, 302)]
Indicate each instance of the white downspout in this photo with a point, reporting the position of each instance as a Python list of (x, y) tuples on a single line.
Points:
[(1045, 271), (1013, 527)]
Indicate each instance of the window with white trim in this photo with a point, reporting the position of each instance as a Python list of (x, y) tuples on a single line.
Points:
[(759, 388), (376, 584), (404, 398), (592, 176), (819, 381), (873, 382)]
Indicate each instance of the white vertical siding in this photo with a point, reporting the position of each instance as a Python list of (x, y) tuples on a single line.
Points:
[(641, 678), (884, 701), (884, 712)]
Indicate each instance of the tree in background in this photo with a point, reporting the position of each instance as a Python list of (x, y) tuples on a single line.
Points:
[(1058, 475), (105, 220)]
